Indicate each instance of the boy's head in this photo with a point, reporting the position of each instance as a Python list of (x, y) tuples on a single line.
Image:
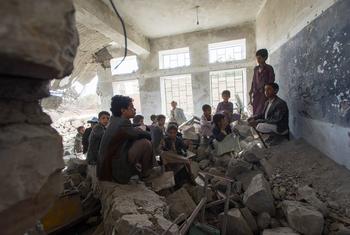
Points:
[(261, 56), (271, 90), (103, 118), (172, 131), (161, 119), (220, 120), (226, 94), (138, 119), (206, 110), (173, 104), (81, 129), (122, 106), (153, 118)]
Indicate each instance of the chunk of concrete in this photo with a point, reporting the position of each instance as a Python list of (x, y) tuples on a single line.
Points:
[(195, 168), (236, 224), (308, 194), (249, 218), (303, 218), (164, 181), (236, 167), (41, 38), (180, 202), (263, 220), (280, 231), (246, 178), (266, 167), (204, 164), (258, 196)]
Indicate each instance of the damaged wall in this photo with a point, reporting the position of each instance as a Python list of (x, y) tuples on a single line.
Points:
[(149, 73), (311, 67)]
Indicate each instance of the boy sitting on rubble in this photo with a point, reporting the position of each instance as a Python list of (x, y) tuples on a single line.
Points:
[(225, 140), (157, 134), (125, 151), (174, 156), (78, 145)]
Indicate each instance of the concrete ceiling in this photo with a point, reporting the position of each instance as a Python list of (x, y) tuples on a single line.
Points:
[(158, 18)]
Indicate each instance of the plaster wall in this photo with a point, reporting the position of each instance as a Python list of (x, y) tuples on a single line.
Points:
[(149, 73)]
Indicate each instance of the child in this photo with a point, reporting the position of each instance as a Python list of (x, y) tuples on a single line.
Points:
[(221, 127), (173, 157), (157, 134), (263, 74), (206, 122), (138, 123), (225, 107), (78, 145)]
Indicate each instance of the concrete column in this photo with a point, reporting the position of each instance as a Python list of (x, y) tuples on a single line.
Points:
[(104, 88), (40, 41)]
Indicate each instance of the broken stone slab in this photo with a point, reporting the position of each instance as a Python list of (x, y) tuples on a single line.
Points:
[(249, 218), (222, 161), (43, 47), (246, 178), (204, 164), (309, 195), (143, 224), (197, 193), (236, 167), (180, 202), (263, 220), (258, 196), (252, 153), (266, 167), (195, 168), (303, 218), (31, 158), (164, 181), (236, 224), (280, 231), (76, 166)]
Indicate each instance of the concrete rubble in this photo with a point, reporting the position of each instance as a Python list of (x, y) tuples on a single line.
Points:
[(41, 42)]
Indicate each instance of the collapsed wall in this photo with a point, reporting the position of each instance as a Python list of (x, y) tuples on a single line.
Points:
[(39, 44)]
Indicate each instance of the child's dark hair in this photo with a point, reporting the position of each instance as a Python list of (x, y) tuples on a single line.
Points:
[(100, 114), (153, 117), (263, 53), (171, 127), (137, 119), (118, 103), (206, 107), (274, 86), (173, 124), (217, 118), (79, 128), (160, 117), (226, 92)]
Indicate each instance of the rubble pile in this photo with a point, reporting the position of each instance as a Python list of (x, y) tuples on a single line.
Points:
[(76, 180), (263, 200)]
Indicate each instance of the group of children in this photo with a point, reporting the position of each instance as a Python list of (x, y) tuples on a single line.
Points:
[(121, 148)]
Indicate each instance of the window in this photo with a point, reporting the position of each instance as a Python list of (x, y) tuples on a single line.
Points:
[(129, 65), (129, 88), (227, 51), (174, 58), (179, 89), (232, 80)]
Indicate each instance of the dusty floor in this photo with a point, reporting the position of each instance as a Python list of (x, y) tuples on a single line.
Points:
[(300, 164)]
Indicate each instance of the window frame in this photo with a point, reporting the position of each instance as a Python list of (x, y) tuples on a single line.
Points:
[(171, 54), (227, 45)]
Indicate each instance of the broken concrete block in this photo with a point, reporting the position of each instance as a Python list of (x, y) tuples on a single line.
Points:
[(204, 164), (303, 218), (280, 231), (244, 130), (249, 218), (76, 179), (266, 167), (180, 202), (223, 161), (237, 167), (43, 47), (308, 194), (236, 224), (246, 178), (263, 220), (197, 193), (164, 181), (258, 196)]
